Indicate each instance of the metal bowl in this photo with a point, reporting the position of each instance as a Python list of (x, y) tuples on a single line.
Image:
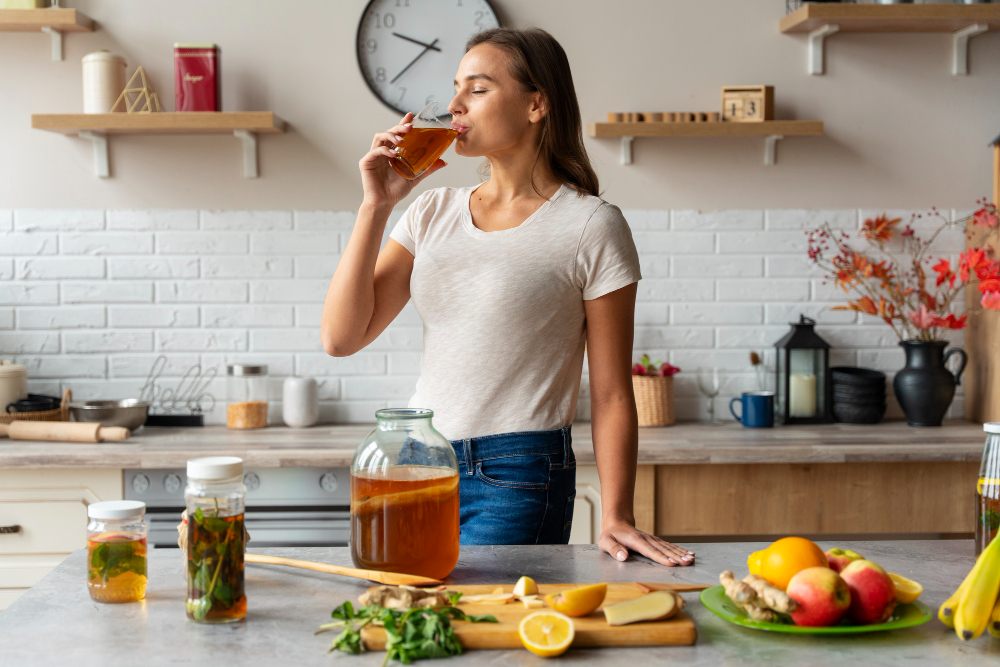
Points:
[(130, 412)]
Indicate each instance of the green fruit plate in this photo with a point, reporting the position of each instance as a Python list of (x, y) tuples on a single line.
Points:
[(905, 616)]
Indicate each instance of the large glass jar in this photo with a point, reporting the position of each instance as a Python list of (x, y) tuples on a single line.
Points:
[(246, 394), (988, 489), (404, 497), (215, 499), (116, 551)]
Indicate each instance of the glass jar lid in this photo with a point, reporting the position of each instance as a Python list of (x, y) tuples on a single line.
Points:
[(992, 427), (246, 369), (396, 414), (117, 509), (215, 467)]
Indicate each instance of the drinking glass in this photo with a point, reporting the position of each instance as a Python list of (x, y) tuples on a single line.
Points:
[(708, 386), (426, 141)]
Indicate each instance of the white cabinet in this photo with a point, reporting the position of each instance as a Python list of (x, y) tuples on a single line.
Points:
[(43, 517), (587, 507)]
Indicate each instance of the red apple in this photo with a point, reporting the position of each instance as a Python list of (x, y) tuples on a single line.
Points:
[(839, 558), (638, 369), (821, 595), (873, 595)]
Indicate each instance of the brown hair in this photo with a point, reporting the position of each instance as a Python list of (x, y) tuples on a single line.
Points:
[(538, 63)]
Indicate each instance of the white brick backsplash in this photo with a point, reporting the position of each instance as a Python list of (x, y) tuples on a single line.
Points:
[(28, 293), (56, 268), (274, 340), (362, 412), (201, 243), (247, 315), (152, 267), (34, 343), (655, 266), (289, 291), (316, 266), (202, 291), (106, 243), (279, 366), (64, 366), (649, 338), (105, 390), (246, 267), (397, 388), (825, 290), (762, 243), (750, 338), (300, 243), (155, 220), (107, 292), (160, 316), (140, 365), (714, 266), (221, 340), (325, 221), (763, 289), (30, 243), (675, 290), (398, 337), (403, 363), (642, 219), (58, 220), (779, 313), (246, 220), (791, 266), (781, 219), (858, 336), (6, 269), (362, 363), (60, 317), (734, 220), (651, 313), (108, 341), (674, 242), (6, 219), (715, 313), (889, 361), (309, 315), (6, 318), (408, 316)]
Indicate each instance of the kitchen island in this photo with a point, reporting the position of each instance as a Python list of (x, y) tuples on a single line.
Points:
[(56, 623)]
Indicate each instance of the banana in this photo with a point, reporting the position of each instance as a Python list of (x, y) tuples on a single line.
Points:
[(994, 627), (946, 612), (975, 606)]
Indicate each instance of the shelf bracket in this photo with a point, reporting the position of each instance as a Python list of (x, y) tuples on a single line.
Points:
[(817, 60), (770, 149), (249, 141), (626, 150), (100, 144), (960, 47), (56, 37)]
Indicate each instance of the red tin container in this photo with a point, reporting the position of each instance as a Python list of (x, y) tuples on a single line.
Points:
[(196, 77)]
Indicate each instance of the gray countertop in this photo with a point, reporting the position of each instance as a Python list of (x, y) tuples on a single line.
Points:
[(56, 623), (691, 443)]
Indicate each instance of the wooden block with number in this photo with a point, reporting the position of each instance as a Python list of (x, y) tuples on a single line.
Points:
[(747, 104)]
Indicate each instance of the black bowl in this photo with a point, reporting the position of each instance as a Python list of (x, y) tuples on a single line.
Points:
[(858, 395), (861, 377), (849, 414)]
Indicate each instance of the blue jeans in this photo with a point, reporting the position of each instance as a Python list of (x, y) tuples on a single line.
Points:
[(517, 488)]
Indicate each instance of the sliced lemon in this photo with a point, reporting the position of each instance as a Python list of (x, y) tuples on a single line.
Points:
[(546, 633), (525, 586), (907, 590), (578, 601)]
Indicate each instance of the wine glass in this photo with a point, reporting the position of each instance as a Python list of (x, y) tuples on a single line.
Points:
[(708, 386)]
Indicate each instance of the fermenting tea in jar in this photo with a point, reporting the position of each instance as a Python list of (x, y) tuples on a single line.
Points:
[(116, 551), (988, 489), (426, 141), (404, 497)]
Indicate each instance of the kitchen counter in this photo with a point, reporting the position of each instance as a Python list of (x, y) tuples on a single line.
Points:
[(56, 622), (683, 444)]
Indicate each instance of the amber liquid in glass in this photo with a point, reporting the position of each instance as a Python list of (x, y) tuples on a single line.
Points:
[(987, 511), (116, 567), (419, 149), (406, 522), (215, 590)]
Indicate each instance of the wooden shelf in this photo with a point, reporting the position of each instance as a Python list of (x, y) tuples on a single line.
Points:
[(244, 125), (51, 20), (771, 130), (820, 20)]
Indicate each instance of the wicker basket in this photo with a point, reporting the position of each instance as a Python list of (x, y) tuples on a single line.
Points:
[(60, 414), (654, 399)]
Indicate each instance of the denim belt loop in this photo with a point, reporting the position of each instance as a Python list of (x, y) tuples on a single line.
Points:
[(567, 444), (467, 447)]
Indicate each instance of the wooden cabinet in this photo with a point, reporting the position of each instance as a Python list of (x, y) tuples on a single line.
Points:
[(49, 510)]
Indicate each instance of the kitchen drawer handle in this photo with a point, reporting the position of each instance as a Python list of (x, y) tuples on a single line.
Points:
[(5, 530)]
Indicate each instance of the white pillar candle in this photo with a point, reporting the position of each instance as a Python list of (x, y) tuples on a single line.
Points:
[(802, 395)]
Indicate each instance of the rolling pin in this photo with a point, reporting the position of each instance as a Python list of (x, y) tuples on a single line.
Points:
[(63, 431)]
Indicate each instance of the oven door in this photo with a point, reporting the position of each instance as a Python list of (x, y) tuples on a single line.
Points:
[(268, 527)]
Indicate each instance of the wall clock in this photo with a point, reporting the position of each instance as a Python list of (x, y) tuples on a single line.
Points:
[(408, 50)]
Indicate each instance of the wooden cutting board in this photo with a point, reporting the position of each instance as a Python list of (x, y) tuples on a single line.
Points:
[(591, 631)]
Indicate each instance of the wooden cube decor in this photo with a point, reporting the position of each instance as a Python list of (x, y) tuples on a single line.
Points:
[(663, 117), (747, 104)]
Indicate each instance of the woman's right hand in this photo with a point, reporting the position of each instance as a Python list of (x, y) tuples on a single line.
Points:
[(383, 187)]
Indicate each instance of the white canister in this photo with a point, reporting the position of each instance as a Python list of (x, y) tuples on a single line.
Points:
[(13, 383), (299, 402), (103, 81)]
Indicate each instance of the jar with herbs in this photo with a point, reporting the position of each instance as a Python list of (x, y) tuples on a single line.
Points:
[(246, 391), (215, 497), (988, 489), (116, 551)]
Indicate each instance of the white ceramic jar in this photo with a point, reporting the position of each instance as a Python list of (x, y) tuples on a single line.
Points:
[(13, 383), (103, 81), (299, 402)]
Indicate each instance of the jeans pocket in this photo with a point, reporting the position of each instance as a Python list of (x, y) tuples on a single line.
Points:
[(528, 472)]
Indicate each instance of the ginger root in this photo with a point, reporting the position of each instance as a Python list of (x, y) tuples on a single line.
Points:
[(403, 597), (743, 594), (770, 596)]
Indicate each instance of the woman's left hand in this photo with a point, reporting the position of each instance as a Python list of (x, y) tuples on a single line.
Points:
[(617, 538)]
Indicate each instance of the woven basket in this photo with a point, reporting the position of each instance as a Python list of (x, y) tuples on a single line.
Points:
[(60, 414), (654, 399)]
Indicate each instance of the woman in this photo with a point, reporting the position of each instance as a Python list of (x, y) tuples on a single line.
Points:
[(512, 279)]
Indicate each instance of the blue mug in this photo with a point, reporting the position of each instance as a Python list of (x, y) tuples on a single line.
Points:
[(757, 409)]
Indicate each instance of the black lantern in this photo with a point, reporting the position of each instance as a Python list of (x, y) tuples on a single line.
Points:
[(802, 381)]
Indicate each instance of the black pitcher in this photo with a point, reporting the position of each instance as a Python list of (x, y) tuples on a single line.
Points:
[(925, 387)]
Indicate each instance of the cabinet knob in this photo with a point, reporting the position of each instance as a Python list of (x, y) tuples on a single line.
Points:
[(9, 530)]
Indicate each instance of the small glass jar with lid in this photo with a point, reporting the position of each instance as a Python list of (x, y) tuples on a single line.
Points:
[(215, 499), (116, 551), (988, 489), (246, 393)]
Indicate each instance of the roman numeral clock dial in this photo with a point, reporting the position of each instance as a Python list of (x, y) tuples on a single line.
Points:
[(408, 50)]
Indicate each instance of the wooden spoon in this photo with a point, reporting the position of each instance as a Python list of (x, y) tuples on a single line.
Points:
[(392, 578)]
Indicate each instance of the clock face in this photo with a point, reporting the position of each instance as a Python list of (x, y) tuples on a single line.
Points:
[(408, 50)]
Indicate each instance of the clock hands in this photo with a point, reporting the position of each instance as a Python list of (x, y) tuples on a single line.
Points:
[(427, 48), (416, 41)]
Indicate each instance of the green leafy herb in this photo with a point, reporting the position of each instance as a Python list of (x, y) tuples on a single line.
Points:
[(414, 634), (215, 560), (110, 559)]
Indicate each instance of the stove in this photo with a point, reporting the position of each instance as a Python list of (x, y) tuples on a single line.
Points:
[(284, 506)]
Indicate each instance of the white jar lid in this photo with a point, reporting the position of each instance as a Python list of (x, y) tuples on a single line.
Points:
[(117, 509), (103, 54), (8, 368), (215, 467), (992, 427)]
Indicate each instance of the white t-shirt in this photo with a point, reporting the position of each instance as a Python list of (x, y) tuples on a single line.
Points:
[(503, 316)]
